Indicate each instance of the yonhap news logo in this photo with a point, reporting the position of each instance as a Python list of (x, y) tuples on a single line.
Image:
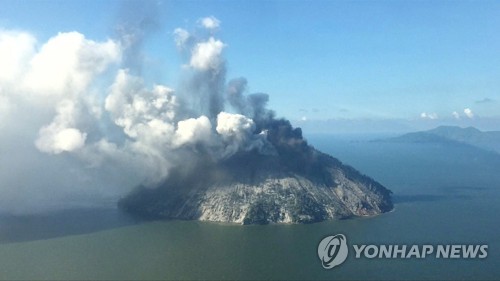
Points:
[(334, 249)]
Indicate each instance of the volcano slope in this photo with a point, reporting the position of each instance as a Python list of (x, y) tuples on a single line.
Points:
[(293, 183)]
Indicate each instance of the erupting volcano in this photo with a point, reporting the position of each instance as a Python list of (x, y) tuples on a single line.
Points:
[(250, 168), (208, 150), (291, 183)]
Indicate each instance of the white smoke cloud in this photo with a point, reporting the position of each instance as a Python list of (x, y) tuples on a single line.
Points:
[(234, 126), (58, 75), (210, 23), (238, 134), (192, 131), (65, 66), (81, 128), (468, 112), (207, 55), (135, 108), (67, 63), (56, 140), (60, 135), (148, 119), (16, 48), (4, 108), (47, 101)]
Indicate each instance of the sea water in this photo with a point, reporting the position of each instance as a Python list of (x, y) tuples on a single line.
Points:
[(443, 195)]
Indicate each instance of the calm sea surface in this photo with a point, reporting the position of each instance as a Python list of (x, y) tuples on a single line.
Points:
[(443, 195)]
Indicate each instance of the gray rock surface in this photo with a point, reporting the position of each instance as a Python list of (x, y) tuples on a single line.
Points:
[(259, 189)]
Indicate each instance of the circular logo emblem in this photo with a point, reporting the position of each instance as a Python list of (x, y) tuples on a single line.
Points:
[(332, 250)]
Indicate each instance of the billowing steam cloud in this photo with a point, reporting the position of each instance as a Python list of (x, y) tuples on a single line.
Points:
[(81, 127)]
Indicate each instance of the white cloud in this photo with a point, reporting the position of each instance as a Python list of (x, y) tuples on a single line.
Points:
[(468, 112), (16, 48), (64, 68), (456, 115), (47, 90), (207, 55), (67, 63), (430, 116), (46, 78), (60, 135), (56, 140), (181, 37), (210, 23)]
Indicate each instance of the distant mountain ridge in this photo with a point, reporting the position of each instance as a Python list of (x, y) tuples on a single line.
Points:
[(489, 140)]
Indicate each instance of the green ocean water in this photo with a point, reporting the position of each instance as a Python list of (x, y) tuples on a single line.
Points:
[(443, 195)]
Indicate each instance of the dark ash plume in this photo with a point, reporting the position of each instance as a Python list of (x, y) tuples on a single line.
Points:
[(253, 105), (137, 22)]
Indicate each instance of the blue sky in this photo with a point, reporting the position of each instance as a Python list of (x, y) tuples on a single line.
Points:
[(411, 62)]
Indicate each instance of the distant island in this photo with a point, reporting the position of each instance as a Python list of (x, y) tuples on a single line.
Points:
[(454, 135), (294, 184)]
